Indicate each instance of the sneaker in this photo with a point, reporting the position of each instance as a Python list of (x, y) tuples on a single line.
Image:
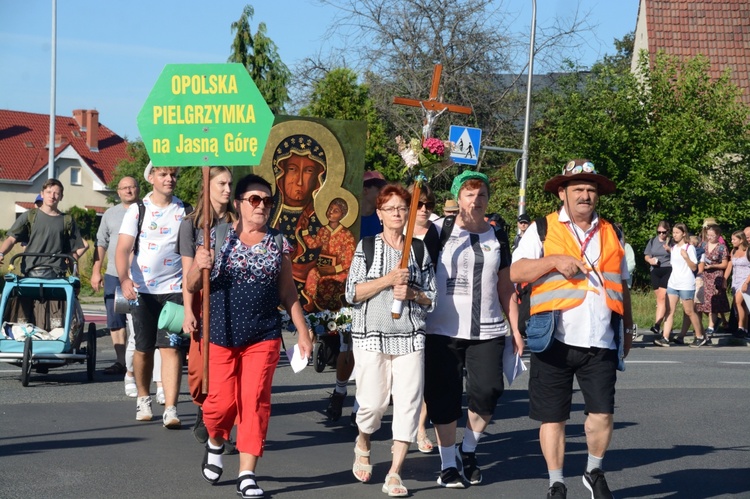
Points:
[(740, 333), (597, 484), (699, 342), (143, 409), (353, 420), (451, 479), (199, 429), (335, 404), (654, 329), (557, 491), (131, 390), (170, 419), (677, 340), (160, 398), (661, 341), (471, 471)]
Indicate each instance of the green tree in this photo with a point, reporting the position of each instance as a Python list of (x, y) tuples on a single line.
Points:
[(675, 141), (260, 56), (86, 221), (338, 96)]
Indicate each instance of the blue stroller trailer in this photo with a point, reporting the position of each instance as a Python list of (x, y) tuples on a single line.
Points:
[(43, 322)]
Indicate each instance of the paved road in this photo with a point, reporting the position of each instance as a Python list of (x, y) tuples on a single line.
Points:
[(681, 432)]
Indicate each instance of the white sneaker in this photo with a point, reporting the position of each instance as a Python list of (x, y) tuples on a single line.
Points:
[(130, 389), (143, 409), (160, 398), (170, 418)]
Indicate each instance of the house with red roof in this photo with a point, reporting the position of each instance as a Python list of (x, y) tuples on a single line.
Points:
[(719, 30), (86, 154)]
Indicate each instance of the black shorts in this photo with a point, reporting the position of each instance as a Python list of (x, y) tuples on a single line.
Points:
[(114, 320), (660, 277), (445, 359), (146, 318), (551, 381)]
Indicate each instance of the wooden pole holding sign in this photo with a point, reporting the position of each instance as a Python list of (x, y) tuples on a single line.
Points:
[(205, 316), (398, 305)]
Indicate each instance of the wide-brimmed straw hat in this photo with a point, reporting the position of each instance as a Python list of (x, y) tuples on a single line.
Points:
[(580, 170)]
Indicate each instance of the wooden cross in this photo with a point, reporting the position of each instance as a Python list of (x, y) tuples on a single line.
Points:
[(432, 107)]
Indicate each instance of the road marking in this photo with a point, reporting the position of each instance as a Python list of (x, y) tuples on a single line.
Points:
[(652, 361), (740, 363)]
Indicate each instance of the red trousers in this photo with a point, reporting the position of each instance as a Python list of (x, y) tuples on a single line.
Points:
[(239, 387)]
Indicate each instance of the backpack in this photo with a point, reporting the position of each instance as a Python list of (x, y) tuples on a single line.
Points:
[(142, 213), (523, 290), (368, 246)]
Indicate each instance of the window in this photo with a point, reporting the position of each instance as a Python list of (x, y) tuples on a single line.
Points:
[(75, 176)]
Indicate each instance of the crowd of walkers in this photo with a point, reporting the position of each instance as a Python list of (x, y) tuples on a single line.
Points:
[(698, 270)]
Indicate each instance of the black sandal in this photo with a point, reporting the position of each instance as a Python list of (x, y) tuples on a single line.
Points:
[(252, 486), (211, 467)]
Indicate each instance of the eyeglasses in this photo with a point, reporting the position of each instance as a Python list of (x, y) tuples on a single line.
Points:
[(428, 205), (573, 168), (391, 209), (255, 201), (661, 231)]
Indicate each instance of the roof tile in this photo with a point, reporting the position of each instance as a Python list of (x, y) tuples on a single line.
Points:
[(721, 30), (23, 145)]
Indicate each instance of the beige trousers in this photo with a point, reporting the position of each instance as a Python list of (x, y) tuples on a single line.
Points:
[(380, 376)]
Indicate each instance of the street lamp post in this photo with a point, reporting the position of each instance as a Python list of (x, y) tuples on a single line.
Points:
[(53, 83), (525, 154)]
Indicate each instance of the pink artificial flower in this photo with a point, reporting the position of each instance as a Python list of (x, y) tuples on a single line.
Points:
[(435, 146)]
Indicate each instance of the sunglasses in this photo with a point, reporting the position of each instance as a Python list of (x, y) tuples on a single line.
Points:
[(255, 201), (661, 231), (428, 205)]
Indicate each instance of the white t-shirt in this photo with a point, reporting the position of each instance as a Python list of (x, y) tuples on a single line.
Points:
[(157, 269), (682, 278), (469, 307)]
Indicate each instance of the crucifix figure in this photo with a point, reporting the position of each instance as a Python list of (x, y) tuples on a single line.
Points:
[(432, 108)]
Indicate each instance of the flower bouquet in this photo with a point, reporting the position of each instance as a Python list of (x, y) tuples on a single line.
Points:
[(323, 322), (430, 152)]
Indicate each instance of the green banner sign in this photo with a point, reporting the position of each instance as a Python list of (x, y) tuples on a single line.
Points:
[(205, 115)]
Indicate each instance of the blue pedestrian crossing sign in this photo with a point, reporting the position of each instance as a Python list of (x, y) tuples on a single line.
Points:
[(466, 143)]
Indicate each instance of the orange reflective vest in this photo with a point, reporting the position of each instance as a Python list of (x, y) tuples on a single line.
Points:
[(553, 291)]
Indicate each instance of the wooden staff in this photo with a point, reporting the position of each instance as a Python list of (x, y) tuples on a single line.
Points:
[(206, 273), (410, 223)]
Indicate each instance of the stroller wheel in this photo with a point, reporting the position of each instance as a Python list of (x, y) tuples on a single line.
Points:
[(26, 364), (319, 356), (91, 352)]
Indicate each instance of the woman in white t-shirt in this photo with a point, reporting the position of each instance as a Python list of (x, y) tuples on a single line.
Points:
[(682, 285), (468, 329)]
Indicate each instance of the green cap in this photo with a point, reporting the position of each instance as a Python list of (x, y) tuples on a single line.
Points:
[(467, 175)]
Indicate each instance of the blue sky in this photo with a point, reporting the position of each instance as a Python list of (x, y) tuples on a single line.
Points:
[(110, 53)]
